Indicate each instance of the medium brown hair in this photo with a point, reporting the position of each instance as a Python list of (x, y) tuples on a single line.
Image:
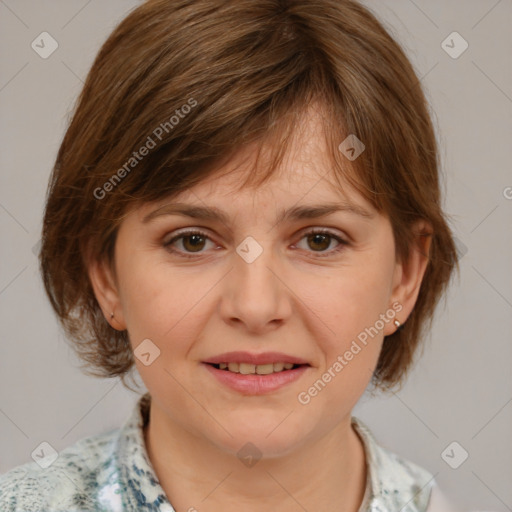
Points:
[(246, 71)]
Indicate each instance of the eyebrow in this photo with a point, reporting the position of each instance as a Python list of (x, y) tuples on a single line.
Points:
[(294, 213)]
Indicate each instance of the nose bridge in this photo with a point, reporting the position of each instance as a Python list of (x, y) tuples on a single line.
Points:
[(255, 296), (254, 259)]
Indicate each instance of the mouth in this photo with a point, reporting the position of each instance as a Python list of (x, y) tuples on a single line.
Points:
[(256, 374), (256, 369)]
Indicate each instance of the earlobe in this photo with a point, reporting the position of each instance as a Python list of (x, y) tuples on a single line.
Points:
[(106, 292)]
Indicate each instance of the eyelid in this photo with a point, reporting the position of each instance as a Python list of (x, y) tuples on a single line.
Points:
[(319, 228), (324, 229)]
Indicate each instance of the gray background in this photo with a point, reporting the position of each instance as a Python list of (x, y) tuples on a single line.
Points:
[(459, 391)]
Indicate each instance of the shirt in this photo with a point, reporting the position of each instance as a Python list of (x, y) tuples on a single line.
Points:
[(112, 472)]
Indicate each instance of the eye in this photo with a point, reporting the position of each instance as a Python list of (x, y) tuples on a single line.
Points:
[(194, 241), (320, 239)]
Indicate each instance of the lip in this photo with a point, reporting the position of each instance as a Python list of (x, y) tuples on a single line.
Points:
[(250, 358), (256, 384)]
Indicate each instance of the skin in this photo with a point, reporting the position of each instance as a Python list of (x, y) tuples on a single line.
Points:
[(291, 299)]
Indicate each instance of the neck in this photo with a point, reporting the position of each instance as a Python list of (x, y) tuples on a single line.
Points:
[(325, 474)]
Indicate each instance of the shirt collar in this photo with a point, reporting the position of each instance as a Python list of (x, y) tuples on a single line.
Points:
[(392, 483), (140, 485)]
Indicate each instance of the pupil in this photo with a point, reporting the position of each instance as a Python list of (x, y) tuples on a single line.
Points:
[(317, 236), (197, 240)]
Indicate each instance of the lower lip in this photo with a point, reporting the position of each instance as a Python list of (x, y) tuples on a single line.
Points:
[(256, 384)]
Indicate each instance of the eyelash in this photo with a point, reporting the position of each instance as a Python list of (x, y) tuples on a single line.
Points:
[(313, 231)]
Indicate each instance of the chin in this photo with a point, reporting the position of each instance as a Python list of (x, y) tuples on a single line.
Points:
[(258, 447), (267, 436)]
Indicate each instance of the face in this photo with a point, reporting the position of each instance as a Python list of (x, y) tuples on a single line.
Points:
[(319, 293)]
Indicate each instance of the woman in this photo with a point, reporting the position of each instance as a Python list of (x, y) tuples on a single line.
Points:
[(245, 209)]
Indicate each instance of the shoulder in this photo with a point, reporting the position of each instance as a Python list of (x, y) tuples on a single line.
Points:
[(395, 483), (70, 482)]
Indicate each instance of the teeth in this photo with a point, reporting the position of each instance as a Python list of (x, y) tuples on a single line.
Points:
[(265, 369), (246, 369), (233, 367), (259, 369)]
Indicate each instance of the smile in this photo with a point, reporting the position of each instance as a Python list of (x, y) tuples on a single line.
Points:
[(253, 381), (256, 369)]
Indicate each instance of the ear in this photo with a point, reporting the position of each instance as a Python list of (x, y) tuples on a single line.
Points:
[(104, 284), (408, 275)]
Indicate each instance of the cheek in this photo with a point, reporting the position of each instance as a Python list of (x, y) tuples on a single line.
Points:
[(162, 303), (347, 315), (347, 301), (150, 299), (345, 320)]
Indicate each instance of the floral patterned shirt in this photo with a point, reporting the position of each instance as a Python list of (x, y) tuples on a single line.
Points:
[(112, 472)]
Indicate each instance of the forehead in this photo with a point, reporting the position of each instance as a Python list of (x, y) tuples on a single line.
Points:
[(297, 190), (289, 185), (305, 175)]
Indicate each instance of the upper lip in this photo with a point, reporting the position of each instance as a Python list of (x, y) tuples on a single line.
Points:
[(257, 359)]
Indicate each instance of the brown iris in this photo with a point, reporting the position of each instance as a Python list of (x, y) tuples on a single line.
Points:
[(321, 239), (196, 242)]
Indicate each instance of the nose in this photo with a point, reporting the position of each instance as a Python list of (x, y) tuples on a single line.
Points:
[(255, 294)]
